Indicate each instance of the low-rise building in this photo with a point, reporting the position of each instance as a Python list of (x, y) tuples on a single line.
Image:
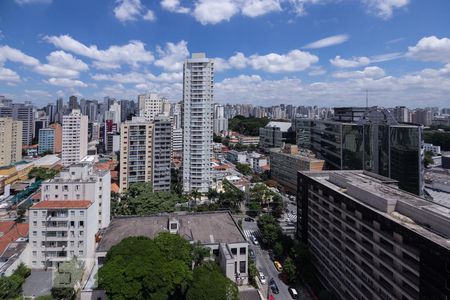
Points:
[(275, 134), (246, 140), (237, 157), (371, 240), (286, 162), (436, 150), (257, 161), (14, 248)]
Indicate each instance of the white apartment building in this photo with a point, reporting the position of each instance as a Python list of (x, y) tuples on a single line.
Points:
[(177, 142), (10, 141), (61, 230), (74, 138), (162, 152), (436, 150), (150, 105), (198, 89), (81, 182)]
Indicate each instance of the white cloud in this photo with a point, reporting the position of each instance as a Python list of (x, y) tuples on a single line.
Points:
[(66, 82), (368, 72), (221, 64), (386, 57), (328, 41), (431, 48), (133, 53), (128, 10), (62, 64), (149, 16), (23, 2), (14, 55), (213, 12), (384, 8), (9, 75), (256, 8), (238, 61), (353, 62), (38, 93), (293, 61), (132, 77), (317, 71), (174, 6), (172, 57)]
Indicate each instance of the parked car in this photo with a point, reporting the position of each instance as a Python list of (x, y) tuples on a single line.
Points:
[(278, 266), (254, 240), (248, 219), (293, 293), (273, 286), (251, 254), (262, 278)]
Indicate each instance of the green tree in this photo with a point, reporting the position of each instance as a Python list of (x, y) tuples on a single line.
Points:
[(140, 199), (270, 229), (217, 138), (290, 269), (199, 253), (247, 126), (252, 272), (141, 268), (63, 293), (278, 250), (41, 173), (210, 284), (428, 159), (244, 169), (11, 286)]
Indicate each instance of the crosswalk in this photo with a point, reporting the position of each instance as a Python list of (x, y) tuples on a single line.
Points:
[(252, 232), (291, 217)]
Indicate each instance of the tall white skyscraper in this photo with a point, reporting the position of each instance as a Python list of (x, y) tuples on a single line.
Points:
[(74, 138), (198, 85), (150, 106)]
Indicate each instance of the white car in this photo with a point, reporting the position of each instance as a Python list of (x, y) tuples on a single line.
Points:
[(255, 241), (262, 278)]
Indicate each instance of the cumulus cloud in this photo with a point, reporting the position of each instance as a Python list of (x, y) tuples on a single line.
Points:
[(66, 82), (353, 62), (431, 48), (62, 64), (132, 10), (172, 56), (9, 75), (328, 41), (174, 6), (14, 55), (368, 72), (384, 8), (256, 8), (213, 12), (133, 53)]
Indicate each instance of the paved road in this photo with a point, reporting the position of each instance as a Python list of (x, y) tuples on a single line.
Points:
[(265, 265)]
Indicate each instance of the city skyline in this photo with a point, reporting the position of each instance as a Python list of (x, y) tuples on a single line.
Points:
[(266, 52)]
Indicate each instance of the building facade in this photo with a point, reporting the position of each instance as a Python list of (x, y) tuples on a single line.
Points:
[(198, 90), (162, 153), (371, 240), (275, 134), (46, 140), (74, 138), (10, 141), (150, 106)]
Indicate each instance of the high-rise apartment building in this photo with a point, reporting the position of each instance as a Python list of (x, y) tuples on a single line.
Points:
[(150, 106), (422, 116), (73, 103), (24, 113), (220, 122), (73, 207), (371, 240), (162, 150), (57, 128), (74, 138), (46, 140), (198, 92), (10, 141), (136, 141), (402, 114)]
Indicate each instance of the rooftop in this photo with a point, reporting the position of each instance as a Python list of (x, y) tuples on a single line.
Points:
[(10, 231), (62, 204), (206, 228), (382, 195), (284, 126)]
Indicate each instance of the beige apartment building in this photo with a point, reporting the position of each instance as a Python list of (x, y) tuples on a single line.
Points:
[(10, 141)]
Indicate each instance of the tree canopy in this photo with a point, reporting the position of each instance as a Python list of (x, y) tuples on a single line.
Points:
[(438, 138), (247, 126), (140, 199), (244, 169), (141, 268), (209, 284), (11, 286), (270, 229), (42, 173)]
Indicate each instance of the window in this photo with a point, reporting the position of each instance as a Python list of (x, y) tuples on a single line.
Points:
[(78, 196), (81, 253), (65, 188), (34, 253), (80, 244), (44, 213), (242, 251), (34, 223), (81, 213), (72, 253), (81, 224), (35, 213), (72, 244), (72, 234), (72, 213), (34, 243), (34, 233), (234, 251), (66, 197), (242, 267), (81, 233)]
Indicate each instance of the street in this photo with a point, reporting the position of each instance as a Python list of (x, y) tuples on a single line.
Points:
[(265, 265)]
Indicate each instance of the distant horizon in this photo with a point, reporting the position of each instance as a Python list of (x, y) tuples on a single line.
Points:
[(266, 52)]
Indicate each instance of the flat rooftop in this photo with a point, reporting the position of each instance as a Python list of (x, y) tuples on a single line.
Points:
[(206, 228), (382, 195)]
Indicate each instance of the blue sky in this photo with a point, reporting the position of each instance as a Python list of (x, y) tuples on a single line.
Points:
[(302, 52)]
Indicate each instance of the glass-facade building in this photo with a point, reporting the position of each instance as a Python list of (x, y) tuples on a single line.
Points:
[(393, 151), (46, 140)]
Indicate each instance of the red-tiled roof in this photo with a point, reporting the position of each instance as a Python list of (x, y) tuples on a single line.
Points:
[(115, 188), (11, 232), (62, 204), (36, 197)]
